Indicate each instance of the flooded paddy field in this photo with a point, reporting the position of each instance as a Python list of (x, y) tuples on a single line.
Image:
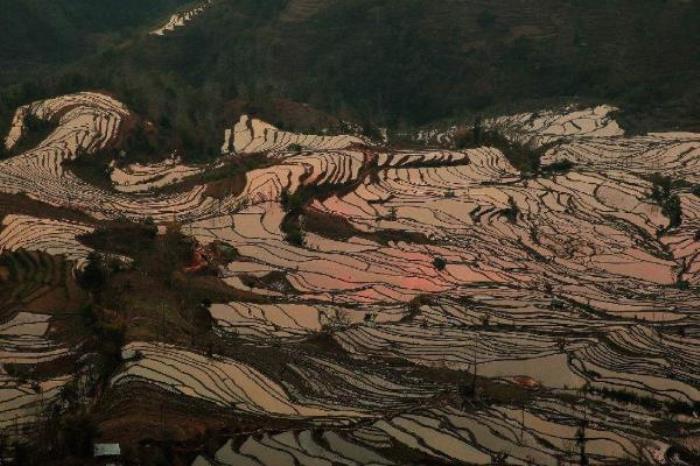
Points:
[(358, 304)]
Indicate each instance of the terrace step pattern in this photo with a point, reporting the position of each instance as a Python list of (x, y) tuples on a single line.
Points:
[(568, 280), (251, 135), (24, 342), (234, 384), (137, 178), (86, 123), (55, 237), (180, 19), (448, 436), (289, 321), (538, 128)]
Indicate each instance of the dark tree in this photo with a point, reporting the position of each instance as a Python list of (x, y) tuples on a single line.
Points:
[(439, 263)]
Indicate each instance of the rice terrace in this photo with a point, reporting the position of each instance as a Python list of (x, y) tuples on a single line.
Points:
[(349, 232)]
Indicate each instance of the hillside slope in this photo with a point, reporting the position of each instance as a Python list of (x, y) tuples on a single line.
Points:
[(382, 63), (41, 32), (309, 295)]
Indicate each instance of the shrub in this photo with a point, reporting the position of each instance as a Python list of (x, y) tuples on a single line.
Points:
[(524, 156), (670, 203), (511, 212), (671, 208), (78, 433), (226, 252), (295, 236), (439, 263), (94, 275), (463, 138), (292, 203), (150, 227), (661, 186), (466, 391), (372, 132), (36, 130), (561, 166)]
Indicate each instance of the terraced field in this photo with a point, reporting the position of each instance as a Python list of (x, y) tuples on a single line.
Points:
[(385, 306), (37, 291), (181, 19)]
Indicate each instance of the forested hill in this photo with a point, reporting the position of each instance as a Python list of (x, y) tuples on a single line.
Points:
[(378, 62), (41, 32)]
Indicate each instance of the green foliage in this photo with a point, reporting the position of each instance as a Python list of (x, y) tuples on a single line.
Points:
[(463, 139), (141, 142), (33, 123), (469, 137), (682, 284), (225, 251)]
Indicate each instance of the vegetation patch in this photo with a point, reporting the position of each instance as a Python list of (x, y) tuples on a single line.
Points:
[(652, 404), (439, 263), (670, 203), (35, 131), (155, 296), (559, 167), (525, 156), (339, 228)]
